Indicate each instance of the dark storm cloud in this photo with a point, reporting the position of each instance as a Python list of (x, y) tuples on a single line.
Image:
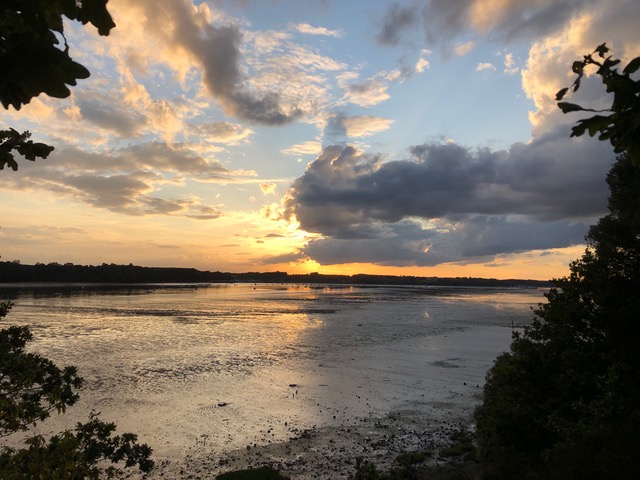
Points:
[(550, 178), (448, 203), (476, 239)]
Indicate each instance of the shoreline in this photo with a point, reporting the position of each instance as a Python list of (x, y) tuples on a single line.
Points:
[(377, 432), (325, 453)]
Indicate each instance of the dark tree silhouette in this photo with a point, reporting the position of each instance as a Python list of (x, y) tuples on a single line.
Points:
[(622, 126), (33, 61), (564, 402)]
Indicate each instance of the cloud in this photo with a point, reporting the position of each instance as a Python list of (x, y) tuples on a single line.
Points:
[(375, 89), (548, 64), (462, 49), (126, 180), (447, 203), (304, 148), (407, 243), (485, 66), (503, 20), (365, 125), (358, 126), (221, 132), (42, 235), (103, 112), (303, 77), (186, 36), (368, 93), (510, 65), (311, 30), (422, 64), (444, 23), (396, 21), (204, 212), (268, 188), (558, 33)]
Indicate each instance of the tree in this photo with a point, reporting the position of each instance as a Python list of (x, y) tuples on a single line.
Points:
[(564, 401), (31, 388), (33, 60)]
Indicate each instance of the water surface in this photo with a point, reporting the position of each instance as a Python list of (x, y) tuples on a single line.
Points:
[(232, 365)]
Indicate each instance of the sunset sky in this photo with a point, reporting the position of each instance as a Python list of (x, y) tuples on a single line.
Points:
[(410, 138)]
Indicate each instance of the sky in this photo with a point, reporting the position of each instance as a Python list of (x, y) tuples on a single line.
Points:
[(418, 137)]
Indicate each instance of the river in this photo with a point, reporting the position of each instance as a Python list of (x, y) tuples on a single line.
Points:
[(208, 371)]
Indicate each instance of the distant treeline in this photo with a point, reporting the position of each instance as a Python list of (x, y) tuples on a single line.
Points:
[(15, 272)]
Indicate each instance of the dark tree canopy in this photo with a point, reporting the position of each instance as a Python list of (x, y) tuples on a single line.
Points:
[(564, 401), (31, 386), (622, 126), (32, 58), (11, 140)]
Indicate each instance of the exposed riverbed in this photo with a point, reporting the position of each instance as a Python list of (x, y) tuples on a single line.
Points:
[(304, 378)]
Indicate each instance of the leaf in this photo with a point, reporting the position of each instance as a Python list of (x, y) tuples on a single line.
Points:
[(561, 93), (567, 107), (578, 130), (632, 66), (602, 50), (42, 150), (605, 135), (598, 123), (576, 84)]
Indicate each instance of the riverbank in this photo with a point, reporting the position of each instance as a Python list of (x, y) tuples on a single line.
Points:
[(327, 453), (438, 399)]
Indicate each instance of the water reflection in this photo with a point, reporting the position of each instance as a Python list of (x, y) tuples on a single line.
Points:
[(161, 360)]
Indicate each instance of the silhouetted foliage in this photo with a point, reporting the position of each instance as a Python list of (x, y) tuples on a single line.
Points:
[(33, 60), (31, 388), (564, 402), (622, 126), (11, 140)]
